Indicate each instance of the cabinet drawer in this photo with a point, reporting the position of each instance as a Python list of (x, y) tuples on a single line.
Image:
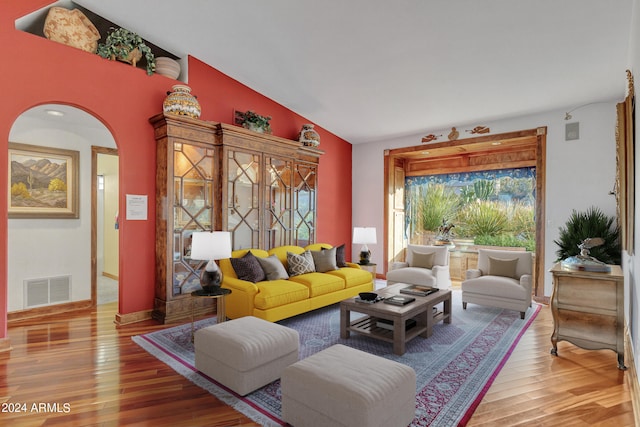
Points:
[(588, 326), (598, 294)]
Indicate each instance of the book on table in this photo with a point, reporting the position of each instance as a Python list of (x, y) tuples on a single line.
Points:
[(399, 300), (419, 290)]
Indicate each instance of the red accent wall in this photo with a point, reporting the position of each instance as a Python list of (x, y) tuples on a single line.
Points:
[(37, 71)]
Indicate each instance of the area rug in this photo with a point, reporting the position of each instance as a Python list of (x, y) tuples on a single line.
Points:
[(454, 367)]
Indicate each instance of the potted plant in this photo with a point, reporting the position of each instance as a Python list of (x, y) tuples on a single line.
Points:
[(253, 121), (590, 224), (127, 46)]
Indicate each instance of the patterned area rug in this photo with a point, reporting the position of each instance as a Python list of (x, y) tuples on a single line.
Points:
[(454, 367)]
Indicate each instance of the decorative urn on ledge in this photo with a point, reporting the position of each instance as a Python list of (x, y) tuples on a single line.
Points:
[(308, 136)]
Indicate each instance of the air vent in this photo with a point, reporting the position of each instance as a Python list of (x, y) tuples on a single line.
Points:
[(47, 291)]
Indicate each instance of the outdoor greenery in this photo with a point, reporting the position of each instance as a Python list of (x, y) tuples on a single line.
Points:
[(498, 212), (583, 225)]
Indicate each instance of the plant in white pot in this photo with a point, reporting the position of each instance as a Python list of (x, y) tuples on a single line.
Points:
[(126, 46), (253, 121)]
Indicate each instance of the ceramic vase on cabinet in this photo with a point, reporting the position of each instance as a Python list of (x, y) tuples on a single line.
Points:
[(180, 101), (309, 136)]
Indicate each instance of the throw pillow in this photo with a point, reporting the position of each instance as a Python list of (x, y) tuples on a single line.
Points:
[(340, 257), (300, 264), (422, 260), (273, 268), (248, 268), (325, 260), (503, 267)]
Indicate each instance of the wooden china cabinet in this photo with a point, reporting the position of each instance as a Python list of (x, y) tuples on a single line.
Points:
[(213, 176)]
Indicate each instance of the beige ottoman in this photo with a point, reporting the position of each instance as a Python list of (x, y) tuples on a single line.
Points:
[(245, 354), (341, 386)]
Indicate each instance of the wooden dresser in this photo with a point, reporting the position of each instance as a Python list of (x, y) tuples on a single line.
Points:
[(587, 309)]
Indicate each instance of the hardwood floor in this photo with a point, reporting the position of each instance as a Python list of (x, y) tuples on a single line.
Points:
[(87, 372)]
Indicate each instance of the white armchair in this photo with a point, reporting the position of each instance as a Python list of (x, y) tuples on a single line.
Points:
[(503, 279), (424, 265)]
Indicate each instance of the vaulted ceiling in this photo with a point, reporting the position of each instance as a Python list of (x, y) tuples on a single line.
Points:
[(370, 70)]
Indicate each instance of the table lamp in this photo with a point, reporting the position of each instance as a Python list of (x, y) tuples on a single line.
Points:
[(364, 236), (210, 246)]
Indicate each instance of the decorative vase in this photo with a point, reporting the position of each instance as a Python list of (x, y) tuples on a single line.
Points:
[(254, 127), (308, 136), (180, 101), (167, 67)]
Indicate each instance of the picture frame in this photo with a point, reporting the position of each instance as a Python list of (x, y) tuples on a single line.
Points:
[(624, 188), (43, 182)]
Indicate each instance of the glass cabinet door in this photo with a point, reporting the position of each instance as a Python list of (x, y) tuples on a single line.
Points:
[(278, 207), (243, 199), (304, 218), (192, 210)]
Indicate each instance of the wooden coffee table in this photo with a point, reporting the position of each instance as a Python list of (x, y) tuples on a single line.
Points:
[(421, 310)]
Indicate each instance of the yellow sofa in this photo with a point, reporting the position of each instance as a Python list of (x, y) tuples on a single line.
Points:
[(274, 300)]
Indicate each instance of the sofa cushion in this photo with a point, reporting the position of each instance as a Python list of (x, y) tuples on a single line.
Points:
[(496, 286), (503, 267), (352, 276), (324, 260), (319, 283), (275, 293), (273, 268), (423, 259), (248, 268), (300, 264)]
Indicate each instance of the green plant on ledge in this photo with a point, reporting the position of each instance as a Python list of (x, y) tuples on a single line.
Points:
[(253, 121), (127, 46)]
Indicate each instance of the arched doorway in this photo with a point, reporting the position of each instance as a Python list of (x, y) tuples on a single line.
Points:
[(55, 254)]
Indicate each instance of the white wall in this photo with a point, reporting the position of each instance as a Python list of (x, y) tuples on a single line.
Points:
[(54, 247), (580, 173)]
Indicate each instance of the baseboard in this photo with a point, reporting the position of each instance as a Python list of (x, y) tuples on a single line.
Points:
[(5, 345), (49, 310), (632, 376), (110, 276), (138, 316)]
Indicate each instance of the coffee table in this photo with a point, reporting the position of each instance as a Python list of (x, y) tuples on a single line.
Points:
[(421, 310)]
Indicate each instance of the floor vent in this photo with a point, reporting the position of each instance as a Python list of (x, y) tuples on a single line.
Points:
[(47, 291)]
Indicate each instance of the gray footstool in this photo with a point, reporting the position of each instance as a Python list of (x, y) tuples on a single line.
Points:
[(245, 354), (341, 386)]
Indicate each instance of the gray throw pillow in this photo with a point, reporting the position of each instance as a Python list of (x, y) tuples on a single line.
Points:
[(422, 260), (273, 268), (325, 260), (248, 268), (300, 264)]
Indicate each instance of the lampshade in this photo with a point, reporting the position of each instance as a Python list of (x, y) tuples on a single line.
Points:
[(364, 235), (209, 245)]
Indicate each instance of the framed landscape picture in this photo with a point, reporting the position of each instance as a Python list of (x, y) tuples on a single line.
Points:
[(43, 182)]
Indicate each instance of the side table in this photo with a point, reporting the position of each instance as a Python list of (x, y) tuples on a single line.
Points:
[(218, 294), (371, 267)]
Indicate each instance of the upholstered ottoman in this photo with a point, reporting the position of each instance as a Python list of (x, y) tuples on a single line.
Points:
[(341, 386), (245, 354)]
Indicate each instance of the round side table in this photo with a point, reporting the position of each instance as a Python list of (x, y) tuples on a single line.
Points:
[(218, 294)]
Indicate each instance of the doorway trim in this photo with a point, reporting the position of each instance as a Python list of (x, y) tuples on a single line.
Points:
[(95, 151), (533, 139)]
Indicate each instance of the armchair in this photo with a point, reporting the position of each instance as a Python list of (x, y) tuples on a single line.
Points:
[(424, 265), (503, 279)]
